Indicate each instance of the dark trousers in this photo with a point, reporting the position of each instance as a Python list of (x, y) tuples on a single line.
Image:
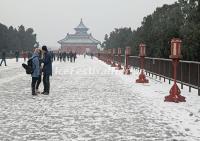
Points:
[(38, 82), (3, 60), (46, 83), (33, 84)]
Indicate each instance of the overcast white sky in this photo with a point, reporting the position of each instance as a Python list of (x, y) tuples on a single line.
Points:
[(53, 19)]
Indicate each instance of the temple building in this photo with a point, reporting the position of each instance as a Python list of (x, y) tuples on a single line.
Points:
[(80, 42)]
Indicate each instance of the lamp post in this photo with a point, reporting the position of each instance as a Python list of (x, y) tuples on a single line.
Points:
[(119, 52), (175, 93), (142, 54), (113, 58), (127, 68)]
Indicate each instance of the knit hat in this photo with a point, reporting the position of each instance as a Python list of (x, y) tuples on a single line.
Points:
[(44, 48)]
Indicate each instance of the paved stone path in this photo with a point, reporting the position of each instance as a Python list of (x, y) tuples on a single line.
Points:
[(81, 106)]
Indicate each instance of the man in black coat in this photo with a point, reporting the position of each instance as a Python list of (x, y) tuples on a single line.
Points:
[(47, 70), (3, 57)]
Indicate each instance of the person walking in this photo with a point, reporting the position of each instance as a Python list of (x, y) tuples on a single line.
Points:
[(36, 71), (24, 55), (57, 54), (60, 56), (54, 56), (17, 56), (3, 57), (84, 55), (47, 70), (64, 56), (70, 56), (29, 54), (74, 56), (91, 55)]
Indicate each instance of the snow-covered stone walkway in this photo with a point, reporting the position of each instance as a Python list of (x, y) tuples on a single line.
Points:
[(91, 101)]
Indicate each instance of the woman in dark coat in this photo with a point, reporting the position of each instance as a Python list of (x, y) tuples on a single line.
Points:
[(36, 71), (40, 76)]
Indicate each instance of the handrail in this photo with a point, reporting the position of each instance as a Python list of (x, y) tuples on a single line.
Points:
[(188, 71)]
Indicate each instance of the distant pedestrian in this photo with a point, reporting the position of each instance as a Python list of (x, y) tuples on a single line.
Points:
[(51, 53), (57, 55), (64, 56), (91, 55), (74, 56), (17, 56), (70, 56), (54, 56), (60, 56), (47, 70), (36, 71), (29, 54), (3, 57), (24, 55)]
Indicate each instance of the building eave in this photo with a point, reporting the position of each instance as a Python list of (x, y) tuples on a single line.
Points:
[(79, 38)]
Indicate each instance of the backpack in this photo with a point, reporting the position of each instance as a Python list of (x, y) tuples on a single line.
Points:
[(29, 66)]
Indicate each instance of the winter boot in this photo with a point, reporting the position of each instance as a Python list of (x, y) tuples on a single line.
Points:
[(33, 92)]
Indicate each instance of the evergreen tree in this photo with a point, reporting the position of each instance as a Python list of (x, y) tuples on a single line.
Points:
[(12, 39), (178, 20)]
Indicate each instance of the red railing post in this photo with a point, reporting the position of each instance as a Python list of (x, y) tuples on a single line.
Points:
[(127, 67), (113, 58), (175, 93), (108, 60), (142, 54), (119, 52)]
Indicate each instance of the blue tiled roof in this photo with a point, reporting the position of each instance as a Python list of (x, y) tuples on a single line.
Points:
[(80, 37)]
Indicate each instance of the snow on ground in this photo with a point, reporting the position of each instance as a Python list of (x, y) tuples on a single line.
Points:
[(91, 101)]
